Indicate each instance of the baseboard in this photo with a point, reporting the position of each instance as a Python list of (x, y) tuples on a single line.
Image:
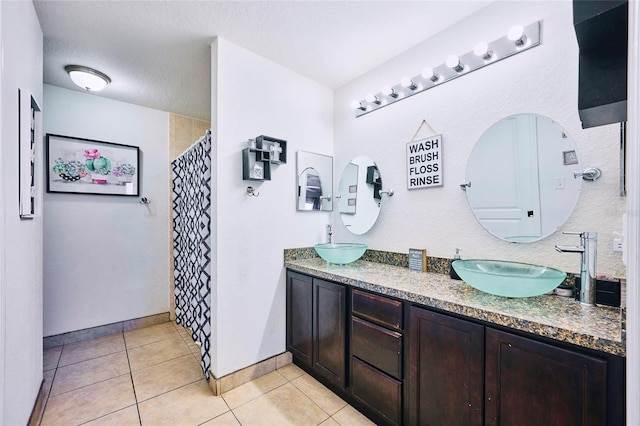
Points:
[(247, 374), (38, 407), (104, 330)]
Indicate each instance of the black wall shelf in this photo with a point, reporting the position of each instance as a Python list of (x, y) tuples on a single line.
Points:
[(256, 162), (255, 165)]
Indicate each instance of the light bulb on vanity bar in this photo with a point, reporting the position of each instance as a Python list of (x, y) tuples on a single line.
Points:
[(516, 34), (357, 105), (407, 83), (389, 91), (372, 99), (429, 74), (454, 63), (482, 50)]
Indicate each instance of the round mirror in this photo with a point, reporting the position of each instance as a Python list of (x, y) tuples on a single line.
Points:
[(359, 195), (520, 178)]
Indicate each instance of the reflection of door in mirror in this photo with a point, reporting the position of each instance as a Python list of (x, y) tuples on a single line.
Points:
[(507, 199), (309, 190), (522, 189), (314, 182), (349, 189)]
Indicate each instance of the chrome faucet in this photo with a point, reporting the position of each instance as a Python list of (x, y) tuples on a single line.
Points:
[(587, 250), (329, 233)]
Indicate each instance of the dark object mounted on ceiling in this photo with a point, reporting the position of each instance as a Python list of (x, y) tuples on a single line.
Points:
[(601, 30)]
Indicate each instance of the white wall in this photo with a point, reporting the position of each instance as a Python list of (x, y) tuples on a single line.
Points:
[(106, 257), (253, 96), (542, 80), (21, 254)]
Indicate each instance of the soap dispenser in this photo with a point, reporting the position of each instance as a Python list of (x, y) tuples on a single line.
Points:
[(452, 272)]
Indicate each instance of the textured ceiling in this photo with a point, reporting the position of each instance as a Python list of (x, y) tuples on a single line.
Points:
[(157, 53)]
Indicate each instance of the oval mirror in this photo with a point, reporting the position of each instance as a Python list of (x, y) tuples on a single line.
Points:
[(359, 194), (520, 178), (315, 181)]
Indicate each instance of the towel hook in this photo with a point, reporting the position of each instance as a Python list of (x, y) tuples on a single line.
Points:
[(251, 192), (145, 201)]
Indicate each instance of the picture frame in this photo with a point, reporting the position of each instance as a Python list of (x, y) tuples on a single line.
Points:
[(424, 163), (29, 140), (569, 157), (87, 166)]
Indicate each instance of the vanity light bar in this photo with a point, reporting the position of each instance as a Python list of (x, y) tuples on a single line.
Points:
[(517, 40)]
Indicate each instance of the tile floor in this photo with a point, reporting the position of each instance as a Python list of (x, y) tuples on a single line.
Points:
[(152, 376)]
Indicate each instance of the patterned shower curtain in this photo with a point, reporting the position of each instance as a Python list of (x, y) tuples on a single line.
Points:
[(191, 196)]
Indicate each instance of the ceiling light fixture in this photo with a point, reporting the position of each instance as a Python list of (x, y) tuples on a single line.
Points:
[(89, 79)]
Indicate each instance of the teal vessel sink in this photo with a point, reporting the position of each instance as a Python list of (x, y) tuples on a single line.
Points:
[(508, 279), (340, 253)]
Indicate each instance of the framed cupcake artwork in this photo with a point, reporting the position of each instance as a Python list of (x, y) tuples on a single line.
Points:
[(86, 166)]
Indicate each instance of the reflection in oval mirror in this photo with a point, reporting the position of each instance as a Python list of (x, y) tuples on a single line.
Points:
[(315, 182), (359, 194), (520, 176), (310, 190)]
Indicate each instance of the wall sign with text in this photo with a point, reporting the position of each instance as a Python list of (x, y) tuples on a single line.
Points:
[(424, 162)]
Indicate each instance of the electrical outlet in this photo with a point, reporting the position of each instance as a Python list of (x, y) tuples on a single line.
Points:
[(559, 183), (617, 244)]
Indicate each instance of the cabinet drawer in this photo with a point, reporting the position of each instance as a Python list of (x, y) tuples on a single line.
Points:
[(378, 346), (380, 392), (380, 309)]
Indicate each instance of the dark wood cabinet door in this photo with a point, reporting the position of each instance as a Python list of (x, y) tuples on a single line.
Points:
[(446, 358), (299, 317), (329, 318), (533, 383)]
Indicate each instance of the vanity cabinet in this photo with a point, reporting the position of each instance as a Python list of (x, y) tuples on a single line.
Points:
[(316, 325), (463, 373), (445, 379), (401, 363), (377, 354)]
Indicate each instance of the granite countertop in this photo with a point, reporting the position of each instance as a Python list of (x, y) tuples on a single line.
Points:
[(555, 317)]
